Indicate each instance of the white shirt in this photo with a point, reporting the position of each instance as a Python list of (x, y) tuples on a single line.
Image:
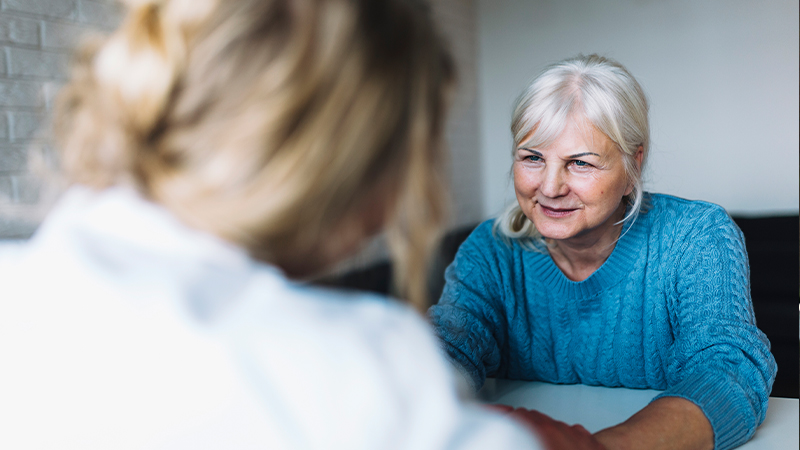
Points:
[(121, 328)]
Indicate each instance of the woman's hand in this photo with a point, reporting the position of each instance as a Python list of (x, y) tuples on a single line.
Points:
[(554, 434), (667, 423)]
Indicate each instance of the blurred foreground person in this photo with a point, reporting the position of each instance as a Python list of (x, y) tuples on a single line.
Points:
[(214, 151)]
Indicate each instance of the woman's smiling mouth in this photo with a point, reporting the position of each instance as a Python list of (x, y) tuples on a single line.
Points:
[(556, 213)]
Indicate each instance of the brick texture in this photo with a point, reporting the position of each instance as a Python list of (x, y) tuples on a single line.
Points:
[(37, 38), (21, 94), (13, 159), (19, 30), (26, 63), (57, 35), (101, 13), (66, 9), (24, 126)]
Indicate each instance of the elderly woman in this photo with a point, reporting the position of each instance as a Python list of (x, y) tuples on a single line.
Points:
[(588, 279)]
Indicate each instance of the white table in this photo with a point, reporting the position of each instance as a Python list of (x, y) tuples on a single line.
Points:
[(599, 407)]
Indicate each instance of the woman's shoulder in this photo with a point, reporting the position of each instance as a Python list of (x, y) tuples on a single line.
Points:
[(485, 249), (672, 202), (677, 219), (684, 212), (361, 325), (487, 238), (341, 348), (269, 288)]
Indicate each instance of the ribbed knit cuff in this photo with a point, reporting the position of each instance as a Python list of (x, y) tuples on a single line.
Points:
[(464, 366), (722, 401)]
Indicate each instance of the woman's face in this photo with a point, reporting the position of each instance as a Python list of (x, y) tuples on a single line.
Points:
[(572, 190)]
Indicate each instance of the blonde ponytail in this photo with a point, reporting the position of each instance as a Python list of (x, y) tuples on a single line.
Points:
[(139, 65)]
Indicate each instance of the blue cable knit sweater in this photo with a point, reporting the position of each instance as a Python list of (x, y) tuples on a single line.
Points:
[(670, 309)]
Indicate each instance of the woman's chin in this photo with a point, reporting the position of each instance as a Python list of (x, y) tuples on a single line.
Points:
[(557, 236), (554, 231)]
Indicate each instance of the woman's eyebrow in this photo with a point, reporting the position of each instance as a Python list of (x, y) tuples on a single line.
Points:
[(530, 150), (578, 155)]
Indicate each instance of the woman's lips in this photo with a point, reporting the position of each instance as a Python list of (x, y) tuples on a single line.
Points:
[(555, 213)]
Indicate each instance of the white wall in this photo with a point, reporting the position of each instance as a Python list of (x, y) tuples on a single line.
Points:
[(721, 75)]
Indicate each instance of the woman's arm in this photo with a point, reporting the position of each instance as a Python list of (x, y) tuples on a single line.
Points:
[(667, 423), (721, 371), (469, 316)]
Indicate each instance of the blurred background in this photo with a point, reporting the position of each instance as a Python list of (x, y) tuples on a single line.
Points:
[(37, 38), (721, 75)]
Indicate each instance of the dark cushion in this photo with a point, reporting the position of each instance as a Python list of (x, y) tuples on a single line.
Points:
[(772, 247)]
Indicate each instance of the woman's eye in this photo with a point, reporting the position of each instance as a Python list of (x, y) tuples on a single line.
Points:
[(533, 158), (579, 163)]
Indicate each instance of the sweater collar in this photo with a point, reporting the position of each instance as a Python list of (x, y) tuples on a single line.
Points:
[(615, 269)]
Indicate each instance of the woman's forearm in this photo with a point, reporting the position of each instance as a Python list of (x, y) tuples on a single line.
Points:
[(667, 423)]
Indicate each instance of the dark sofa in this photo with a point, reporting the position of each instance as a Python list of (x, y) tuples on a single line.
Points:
[(773, 245)]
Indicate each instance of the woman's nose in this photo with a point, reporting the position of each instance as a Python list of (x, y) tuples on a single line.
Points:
[(554, 184)]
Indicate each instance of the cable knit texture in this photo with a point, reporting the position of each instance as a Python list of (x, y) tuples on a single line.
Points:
[(670, 309)]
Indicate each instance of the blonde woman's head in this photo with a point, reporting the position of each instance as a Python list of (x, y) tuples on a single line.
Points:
[(593, 88), (294, 128)]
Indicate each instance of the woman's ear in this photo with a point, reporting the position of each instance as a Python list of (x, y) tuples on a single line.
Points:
[(639, 156)]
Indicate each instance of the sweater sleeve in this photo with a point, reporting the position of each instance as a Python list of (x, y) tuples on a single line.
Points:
[(723, 362), (468, 317)]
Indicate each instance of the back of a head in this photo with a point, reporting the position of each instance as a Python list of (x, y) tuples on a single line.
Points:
[(590, 87), (268, 122)]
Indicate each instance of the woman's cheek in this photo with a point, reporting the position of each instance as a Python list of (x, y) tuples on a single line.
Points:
[(525, 181)]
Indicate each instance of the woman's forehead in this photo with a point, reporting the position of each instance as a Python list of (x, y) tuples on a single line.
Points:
[(577, 133)]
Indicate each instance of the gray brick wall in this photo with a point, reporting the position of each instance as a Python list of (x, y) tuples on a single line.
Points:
[(36, 38)]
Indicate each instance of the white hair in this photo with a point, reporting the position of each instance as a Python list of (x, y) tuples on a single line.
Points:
[(598, 89)]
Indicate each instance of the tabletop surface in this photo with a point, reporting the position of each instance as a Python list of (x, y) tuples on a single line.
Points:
[(597, 407)]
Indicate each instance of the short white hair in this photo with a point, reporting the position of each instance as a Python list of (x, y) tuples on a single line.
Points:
[(598, 89)]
